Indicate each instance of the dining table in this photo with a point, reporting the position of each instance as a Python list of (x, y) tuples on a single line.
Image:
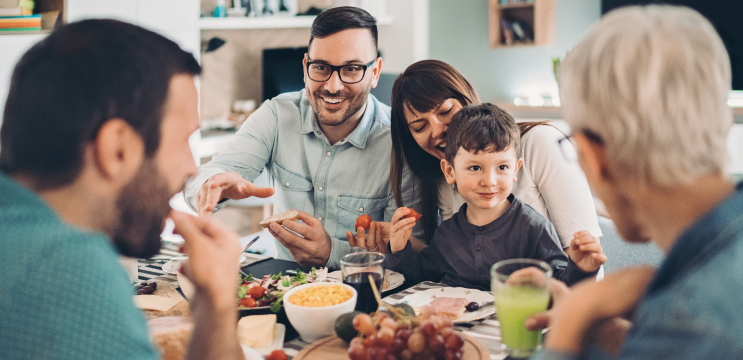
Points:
[(486, 331)]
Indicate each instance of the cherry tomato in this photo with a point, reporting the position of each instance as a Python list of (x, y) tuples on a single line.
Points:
[(277, 355), (247, 302), (363, 221), (413, 214), (257, 292)]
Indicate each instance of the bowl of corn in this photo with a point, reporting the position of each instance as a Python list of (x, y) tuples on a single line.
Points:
[(313, 308)]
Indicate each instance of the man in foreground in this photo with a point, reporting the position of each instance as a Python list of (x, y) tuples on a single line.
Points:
[(94, 144), (645, 94), (326, 148)]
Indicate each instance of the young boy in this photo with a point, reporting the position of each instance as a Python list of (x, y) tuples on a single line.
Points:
[(492, 225)]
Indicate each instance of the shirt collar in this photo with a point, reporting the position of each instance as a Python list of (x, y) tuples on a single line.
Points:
[(358, 136), (702, 240), (467, 226)]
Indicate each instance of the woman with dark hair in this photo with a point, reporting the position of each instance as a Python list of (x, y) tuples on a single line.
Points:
[(424, 99)]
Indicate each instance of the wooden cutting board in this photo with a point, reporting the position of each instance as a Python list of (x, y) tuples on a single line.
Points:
[(333, 348), (166, 289)]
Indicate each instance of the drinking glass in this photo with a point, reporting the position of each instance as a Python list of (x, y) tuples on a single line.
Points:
[(355, 269), (520, 289)]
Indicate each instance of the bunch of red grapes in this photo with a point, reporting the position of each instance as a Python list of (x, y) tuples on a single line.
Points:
[(396, 340)]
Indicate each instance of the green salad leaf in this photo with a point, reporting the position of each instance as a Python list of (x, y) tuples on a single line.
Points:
[(277, 276), (242, 291), (286, 283), (276, 306)]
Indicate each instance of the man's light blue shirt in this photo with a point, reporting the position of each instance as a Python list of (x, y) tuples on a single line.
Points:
[(334, 183), (692, 309)]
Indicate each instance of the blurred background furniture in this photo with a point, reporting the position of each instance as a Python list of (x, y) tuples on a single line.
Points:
[(623, 254)]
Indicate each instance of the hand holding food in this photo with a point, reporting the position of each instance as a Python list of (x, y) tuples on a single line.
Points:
[(291, 215), (311, 247), (213, 252), (227, 185), (586, 252), (377, 238), (402, 222)]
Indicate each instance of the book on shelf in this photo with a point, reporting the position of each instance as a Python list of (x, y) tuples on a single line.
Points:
[(20, 22)]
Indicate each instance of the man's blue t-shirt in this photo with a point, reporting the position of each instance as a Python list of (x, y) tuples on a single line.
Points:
[(63, 293)]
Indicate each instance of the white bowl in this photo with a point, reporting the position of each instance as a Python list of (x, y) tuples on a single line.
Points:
[(315, 323)]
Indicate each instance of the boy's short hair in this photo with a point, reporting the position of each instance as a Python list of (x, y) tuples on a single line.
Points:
[(477, 127)]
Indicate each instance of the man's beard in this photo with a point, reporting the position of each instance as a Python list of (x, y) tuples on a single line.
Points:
[(143, 205), (355, 104)]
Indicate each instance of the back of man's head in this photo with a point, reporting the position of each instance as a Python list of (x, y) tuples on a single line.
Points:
[(342, 18), (69, 84), (651, 83)]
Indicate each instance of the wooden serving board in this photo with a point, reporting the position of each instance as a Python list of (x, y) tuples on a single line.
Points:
[(333, 348), (166, 289)]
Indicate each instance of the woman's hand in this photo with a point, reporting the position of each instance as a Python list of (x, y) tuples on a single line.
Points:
[(376, 240), (586, 252), (401, 230)]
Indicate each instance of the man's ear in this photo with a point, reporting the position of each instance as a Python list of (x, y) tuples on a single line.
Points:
[(304, 67), (516, 170), (592, 158), (376, 71), (118, 150), (448, 171)]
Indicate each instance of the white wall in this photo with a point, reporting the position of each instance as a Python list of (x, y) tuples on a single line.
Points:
[(405, 40)]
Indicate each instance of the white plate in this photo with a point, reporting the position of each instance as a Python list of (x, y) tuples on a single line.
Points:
[(423, 298), (394, 279), (171, 267)]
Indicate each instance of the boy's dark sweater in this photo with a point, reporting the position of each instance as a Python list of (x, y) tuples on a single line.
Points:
[(461, 254)]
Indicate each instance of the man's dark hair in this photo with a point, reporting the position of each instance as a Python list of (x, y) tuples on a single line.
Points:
[(342, 18), (479, 127), (68, 85)]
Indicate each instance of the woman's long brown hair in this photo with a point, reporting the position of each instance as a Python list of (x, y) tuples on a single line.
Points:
[(421, 88)]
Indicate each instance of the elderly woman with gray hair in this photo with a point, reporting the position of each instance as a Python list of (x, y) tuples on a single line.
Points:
[(645, 94)]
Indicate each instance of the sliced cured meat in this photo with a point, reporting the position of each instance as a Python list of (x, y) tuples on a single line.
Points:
[(448, 307)]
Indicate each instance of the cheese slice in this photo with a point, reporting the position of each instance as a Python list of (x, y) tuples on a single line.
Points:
[(154, 302), (256, 331)]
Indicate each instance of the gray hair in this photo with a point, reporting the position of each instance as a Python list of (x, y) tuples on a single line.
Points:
[(652, 83)]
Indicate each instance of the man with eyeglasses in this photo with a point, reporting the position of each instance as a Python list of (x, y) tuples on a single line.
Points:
[(326, 148)]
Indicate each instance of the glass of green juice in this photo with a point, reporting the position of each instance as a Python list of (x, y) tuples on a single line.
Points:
[(520, 289)]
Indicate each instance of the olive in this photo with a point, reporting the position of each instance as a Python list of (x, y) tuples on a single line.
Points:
[(473, 306)]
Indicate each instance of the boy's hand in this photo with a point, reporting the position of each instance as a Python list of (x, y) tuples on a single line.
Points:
[(376, 240), (402, 229), (586, 252)]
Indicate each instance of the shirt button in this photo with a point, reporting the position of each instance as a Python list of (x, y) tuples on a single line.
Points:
[(479, 271), (320, 188), (320, 218), (478, 248), (287, 184), (478, 229), (361, 209), (328, 153)]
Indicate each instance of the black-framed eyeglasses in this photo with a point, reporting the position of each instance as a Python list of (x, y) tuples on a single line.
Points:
[(349, 74)]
